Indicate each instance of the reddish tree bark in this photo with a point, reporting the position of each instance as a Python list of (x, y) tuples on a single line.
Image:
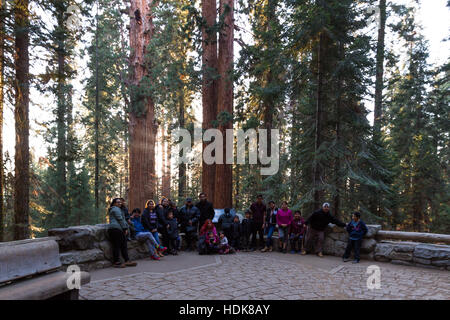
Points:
[(22, 100), (165, 181), (142, 124), (209, 85), (223, 183), (2, 68)]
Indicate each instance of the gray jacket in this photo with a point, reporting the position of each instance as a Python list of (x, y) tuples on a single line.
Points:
[(117, 219)]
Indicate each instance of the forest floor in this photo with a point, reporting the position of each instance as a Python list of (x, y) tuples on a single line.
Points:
[(260, 276)]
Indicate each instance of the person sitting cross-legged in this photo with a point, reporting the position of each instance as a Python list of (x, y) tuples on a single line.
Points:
[(146, 236), (356, 229)]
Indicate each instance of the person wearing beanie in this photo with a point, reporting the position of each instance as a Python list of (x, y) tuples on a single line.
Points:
[(317, 224)]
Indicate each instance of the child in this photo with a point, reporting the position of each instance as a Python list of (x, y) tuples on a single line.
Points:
[(356, 230), (236, 231), (224, 247), (284, 219), (296, 231), (172, 232), (212, 243), (247, 229)]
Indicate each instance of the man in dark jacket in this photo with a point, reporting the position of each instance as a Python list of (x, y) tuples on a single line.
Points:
[(162, 210), (317, 224), (126, 213), (225, 222), (356, 229), (258, 209), (189, 217), (206, 209)]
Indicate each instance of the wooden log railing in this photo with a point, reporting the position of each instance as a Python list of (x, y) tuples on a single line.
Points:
[(413, 236)]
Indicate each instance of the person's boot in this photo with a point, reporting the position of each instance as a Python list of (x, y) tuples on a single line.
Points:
[(270, 249), (265, 249), (320, 254), (130, 264)]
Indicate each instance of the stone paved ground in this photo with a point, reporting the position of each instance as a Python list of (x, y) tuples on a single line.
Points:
[(273, 276)]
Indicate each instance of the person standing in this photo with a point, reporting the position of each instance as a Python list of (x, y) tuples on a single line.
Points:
[(123, 206), (284, 219), (189, 217), (356, 229), (117, 232), (270, 224), (258, 209), (163, 209), (206, 209), (225, 222), (317, 224)]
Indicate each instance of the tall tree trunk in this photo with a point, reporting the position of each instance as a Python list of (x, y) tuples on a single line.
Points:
[(181, 166), (61, 170), (2, 70), (209, 85), (378, 111), (96, 127), (165, 182), (70, 156), (318, 119), (223, 190), (22, 126), (142, 124)]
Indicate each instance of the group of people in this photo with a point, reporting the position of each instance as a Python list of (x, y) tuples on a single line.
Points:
[(195, 221)]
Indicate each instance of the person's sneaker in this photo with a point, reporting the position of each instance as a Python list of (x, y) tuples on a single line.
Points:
[(320, 254), (188, 249), (162, 249), (346, 259), (130, 264), (280, 249), (355, 261), (155, 258), (119, 265), (292, 251), (252, 249), (265, 249), (303, 252), (270, 249), (174, 252)]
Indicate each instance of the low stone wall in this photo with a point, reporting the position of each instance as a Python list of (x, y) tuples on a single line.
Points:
[(89, 247), (409, 253)]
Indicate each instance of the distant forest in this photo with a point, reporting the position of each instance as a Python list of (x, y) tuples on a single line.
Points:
[(313, 69)]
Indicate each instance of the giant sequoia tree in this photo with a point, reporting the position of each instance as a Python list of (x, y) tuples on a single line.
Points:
[(142, 124)]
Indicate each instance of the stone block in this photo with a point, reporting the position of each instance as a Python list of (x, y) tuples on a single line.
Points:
[(368, 245), (432, 251), (372, 230), (81, 256), (422, 261), (401, 262), (382, 251), (404, 256), (440, 263)]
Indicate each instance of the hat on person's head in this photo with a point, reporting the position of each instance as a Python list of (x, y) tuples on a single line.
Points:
[(357, 214), (188, 199), (326, 204)]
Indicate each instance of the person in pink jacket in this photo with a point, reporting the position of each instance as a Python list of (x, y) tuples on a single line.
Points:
[(284, 219)]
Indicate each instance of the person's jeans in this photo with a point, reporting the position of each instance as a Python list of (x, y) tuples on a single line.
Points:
[(270, 231), (191, 239), (283, 233), (119, 244), (149, 240), (156, 236), (355, 245), (296, 241)]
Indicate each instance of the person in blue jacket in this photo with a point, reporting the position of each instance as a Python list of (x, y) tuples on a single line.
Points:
[(356, 230)]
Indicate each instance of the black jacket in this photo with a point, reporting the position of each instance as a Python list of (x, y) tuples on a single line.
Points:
[(274, 216), (236, 230), (226, 220), (319, 220), (172, 231), (206, 211), (247, 227), (189, 213), (150, 223)]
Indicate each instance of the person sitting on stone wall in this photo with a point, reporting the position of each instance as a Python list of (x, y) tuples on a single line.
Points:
[(146, 236)]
